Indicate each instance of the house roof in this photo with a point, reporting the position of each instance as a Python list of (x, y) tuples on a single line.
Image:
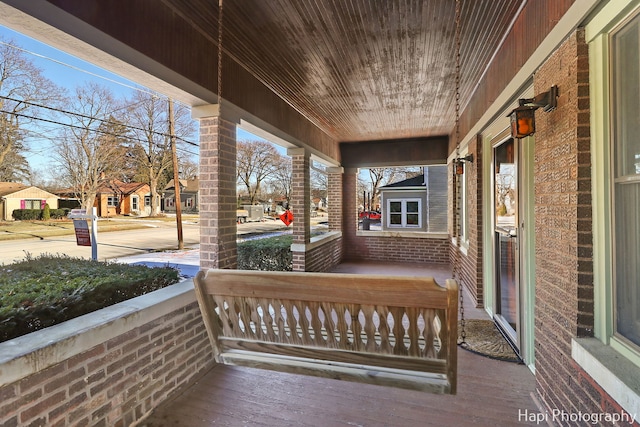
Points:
[(10, 187), (116, 186), (190, 185), (28, 191), (416, 181)]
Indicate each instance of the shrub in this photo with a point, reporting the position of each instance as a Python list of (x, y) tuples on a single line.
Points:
[(26, 214), (46, 212), (270, 254), (43, 291), (36, 214), (59, 213)]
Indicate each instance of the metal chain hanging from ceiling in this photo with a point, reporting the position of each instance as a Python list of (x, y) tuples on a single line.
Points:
[(456, 180), (219, 56)]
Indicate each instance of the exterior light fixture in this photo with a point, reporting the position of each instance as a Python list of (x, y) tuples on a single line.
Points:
[(523, 118), (460, 163)]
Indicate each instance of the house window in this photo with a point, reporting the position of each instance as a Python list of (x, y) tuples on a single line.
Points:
[(464, 205), (134, 203), (147, 200), (405, 213), (32, 204), (625, 179), (170, 203), (112, 201), (189, 202)]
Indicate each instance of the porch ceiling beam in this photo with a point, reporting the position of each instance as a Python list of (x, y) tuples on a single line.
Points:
[(395, 152)]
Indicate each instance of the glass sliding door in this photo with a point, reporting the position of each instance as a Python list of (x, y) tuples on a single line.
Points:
[(506, 239)]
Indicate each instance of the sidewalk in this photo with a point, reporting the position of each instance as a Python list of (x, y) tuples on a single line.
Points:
[(186, 261)]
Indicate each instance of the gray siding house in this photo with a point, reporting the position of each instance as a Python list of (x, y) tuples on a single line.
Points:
[(418, 203)]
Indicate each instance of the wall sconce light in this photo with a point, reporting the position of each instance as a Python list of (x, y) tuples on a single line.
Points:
[(460, 163), (523, 118)]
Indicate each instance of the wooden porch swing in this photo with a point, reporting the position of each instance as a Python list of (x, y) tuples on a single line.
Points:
[(393, 331), (385, 330)]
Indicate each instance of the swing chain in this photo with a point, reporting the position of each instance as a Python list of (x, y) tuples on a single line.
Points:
[(456, 179), (219, 56)]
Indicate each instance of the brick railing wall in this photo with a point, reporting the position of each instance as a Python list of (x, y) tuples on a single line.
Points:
[(318, 257), (397, 249), (110, 367)]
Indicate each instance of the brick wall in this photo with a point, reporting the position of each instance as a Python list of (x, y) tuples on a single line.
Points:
[(218, 201), (471, 262), (319, 258), (116, 382), (564, 266), (300, 195), (334, 198)]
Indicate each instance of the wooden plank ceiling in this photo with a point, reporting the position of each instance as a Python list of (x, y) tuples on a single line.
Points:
[(361, 69)]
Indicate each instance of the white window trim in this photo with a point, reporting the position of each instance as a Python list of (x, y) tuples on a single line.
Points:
[(404, 212), (605, 358), (464, 209), (135, 203)]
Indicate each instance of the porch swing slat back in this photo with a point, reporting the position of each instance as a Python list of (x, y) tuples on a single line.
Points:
[(394, 331)]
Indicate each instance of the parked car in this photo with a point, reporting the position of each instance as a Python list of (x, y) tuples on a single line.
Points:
[(374, 215)]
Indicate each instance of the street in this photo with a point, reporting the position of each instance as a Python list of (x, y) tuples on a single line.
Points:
[(157, 236)]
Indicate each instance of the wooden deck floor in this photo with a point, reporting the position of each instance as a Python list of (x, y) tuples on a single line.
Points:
[(490, 393)]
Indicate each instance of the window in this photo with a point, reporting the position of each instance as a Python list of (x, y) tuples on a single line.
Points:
[(464, 208), (112, 201), (134, 203), (189, 202), (147, 200), (170, 203), (625, 171), (33, 204), (406, 213)]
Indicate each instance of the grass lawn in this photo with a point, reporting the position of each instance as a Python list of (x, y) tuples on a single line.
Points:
[(14, 230)]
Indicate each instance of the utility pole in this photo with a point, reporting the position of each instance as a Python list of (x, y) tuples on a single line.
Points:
[(176, 174)]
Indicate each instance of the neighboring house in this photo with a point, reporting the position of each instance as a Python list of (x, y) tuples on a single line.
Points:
[(19, 196), (115, 197), (418, 203), (188, 195)]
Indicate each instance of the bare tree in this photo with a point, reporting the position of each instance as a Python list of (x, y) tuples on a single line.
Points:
[(256, 160), (319, 180), (90, 148), (379, 177), (281, 178), (23, 88), (151, 142), (188, 168)]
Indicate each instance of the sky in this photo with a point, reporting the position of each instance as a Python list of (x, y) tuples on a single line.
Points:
[(70, 72)]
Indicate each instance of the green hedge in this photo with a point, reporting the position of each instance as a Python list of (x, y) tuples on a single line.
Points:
[(43, 291), (270, 254), (38, 214)]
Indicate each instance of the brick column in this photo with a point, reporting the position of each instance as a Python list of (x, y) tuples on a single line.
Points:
[(334, 198), (218, 226), (350, 212), (300, 203)]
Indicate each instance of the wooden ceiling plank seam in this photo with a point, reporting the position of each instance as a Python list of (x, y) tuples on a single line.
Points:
[(361, 68)]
